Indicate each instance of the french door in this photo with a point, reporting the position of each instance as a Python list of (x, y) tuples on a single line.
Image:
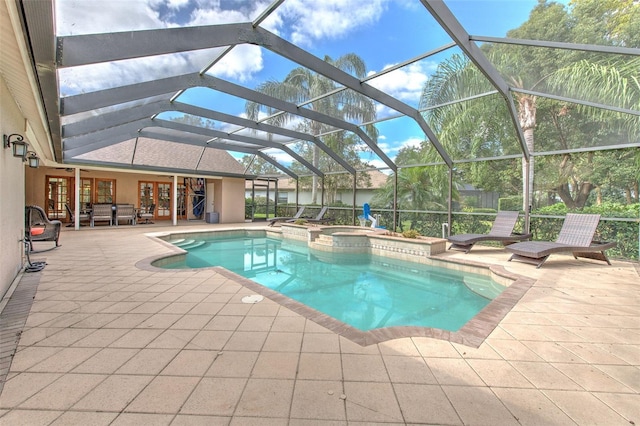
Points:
[(158, 193), (59, 192)]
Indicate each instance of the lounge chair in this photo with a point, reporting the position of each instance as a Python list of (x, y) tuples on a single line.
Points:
[(320, 217), (501, 231), (298, 215), (576, 236), (38, 227)]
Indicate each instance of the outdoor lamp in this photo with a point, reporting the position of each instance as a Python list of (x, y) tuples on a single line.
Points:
[(33, 159), (19, 145)]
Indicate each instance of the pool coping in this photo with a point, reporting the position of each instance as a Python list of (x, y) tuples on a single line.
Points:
[(472, 334)]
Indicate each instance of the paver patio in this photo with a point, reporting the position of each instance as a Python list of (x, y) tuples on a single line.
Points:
[(108, 343)]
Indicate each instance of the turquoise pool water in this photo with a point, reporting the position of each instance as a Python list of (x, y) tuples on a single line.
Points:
[(364, 291)]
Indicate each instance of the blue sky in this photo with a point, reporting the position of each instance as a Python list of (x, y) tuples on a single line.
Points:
[(382, 32)]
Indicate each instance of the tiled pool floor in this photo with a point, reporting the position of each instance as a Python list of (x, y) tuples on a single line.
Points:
[(107, 343)]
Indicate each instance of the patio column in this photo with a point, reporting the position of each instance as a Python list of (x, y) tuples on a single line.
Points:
[(174, 197), (76, 207)]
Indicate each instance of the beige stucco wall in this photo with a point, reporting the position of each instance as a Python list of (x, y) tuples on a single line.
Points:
[(229, 200), (126, 183), (11, 193)]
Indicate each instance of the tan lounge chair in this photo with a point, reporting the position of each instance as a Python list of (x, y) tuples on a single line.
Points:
[(501, 231), (298, 215), (576, 236)]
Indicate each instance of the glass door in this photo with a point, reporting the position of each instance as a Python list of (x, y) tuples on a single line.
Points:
[(147, 195), (163, 209), (58, 195), (158, 193)]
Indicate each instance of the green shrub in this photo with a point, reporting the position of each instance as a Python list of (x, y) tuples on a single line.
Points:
[(411, 233), (510, 203)]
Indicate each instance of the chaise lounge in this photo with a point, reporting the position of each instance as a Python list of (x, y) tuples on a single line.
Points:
[(576, 236), (298, 215), (320, 217), (501, 231)]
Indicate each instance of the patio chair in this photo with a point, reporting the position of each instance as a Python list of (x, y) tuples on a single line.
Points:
[(148, 215), (125, 212), (320, 217), (101, 213), (298, 214), (84, 217), (576, 236), (501, 231), (38, 227)]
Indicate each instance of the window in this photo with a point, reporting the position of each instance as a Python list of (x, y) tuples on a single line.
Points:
[(283, 197), (86, 187), (105, 191)]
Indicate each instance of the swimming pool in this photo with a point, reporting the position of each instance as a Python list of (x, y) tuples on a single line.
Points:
[(365, 291)]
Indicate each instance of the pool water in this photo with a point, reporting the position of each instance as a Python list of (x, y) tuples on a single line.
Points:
[(364, 291)]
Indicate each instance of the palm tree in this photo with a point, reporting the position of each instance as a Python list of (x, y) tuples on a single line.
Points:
[(302, 84), (419, 187)]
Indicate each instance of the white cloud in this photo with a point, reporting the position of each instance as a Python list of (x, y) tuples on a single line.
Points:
[(280, 156), (81, 16), (405, 83), (176, 4), (241, 63), (75, 17), (378, 164), (326, 19), (100, 76), (392, 148)]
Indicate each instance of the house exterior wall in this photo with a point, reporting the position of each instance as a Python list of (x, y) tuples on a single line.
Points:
[(226, 193), (12, 183), (126, 191), (229, 200)]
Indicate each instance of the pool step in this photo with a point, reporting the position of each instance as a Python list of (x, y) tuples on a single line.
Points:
[(183, 243), (484, 286), (193, 245)]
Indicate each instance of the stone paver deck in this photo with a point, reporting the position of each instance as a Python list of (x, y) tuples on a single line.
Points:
[(108, 343)]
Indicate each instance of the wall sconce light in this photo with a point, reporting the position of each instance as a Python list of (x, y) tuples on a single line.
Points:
[(33, 159), (19, 145)]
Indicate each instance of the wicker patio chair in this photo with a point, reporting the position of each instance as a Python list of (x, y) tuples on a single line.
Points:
[(38, 227)]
